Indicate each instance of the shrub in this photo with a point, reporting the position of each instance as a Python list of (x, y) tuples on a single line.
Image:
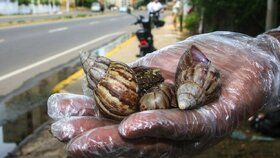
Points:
[(68, 16), (21, 21), (45, 2), (57, 2), (191, 22), (25, 2), (81, 15), (86, 3), (245, 16)]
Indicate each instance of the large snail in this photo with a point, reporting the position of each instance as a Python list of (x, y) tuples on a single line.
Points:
[(120, 90), (117, 87), (197, 81)]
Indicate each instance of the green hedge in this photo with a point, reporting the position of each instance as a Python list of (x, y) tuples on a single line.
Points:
[(246, 16), (191, 22), (85, 3), (26, 2)]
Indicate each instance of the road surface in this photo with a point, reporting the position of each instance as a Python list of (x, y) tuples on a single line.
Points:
[(17, 18), (29, 50)]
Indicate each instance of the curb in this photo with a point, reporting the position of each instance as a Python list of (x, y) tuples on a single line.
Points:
[(58, 87)]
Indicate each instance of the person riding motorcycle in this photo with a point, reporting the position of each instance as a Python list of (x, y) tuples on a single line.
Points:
[(154, 8)]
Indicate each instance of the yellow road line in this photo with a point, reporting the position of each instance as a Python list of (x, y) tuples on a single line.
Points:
[(58, 87), (117, 48)]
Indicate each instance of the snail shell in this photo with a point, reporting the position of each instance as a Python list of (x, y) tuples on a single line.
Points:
[(95, 68), (197, 80), (114, 85), (161, 96)]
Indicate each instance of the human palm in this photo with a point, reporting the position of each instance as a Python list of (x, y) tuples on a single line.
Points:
[(249, 68)]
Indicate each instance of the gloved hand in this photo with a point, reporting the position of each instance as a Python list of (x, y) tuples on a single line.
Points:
[(249, 68)]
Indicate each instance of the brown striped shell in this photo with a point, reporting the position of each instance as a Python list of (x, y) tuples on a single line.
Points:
[(94, 67), (197, 80), (114, 85), (161, 96)]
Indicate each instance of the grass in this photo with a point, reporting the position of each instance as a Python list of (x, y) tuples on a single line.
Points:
[(21, 21), (68, 16), (58, 18), (81, 15)]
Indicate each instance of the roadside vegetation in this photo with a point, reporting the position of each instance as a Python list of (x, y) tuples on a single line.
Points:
[(27, 2), (238, 15), (85, 3), (57, 18)]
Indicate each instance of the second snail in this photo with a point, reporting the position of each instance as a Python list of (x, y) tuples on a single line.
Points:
[(120, 90)]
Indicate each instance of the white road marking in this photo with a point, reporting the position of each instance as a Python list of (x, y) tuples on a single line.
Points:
[(94, 22), (58, 29), (2, 40), (6, 76)]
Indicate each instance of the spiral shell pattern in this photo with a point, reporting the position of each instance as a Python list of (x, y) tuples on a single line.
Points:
[(161, 96), (95, 68), (197, 80), (114, 85)]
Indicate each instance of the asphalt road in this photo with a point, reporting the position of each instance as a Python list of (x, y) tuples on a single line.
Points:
[(28, 50)]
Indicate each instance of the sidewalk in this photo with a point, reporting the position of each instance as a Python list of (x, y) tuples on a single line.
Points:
[(44, 145)]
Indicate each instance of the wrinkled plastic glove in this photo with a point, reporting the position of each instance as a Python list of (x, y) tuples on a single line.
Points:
[(250, 71)]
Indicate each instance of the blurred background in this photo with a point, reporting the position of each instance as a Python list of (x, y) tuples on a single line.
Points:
[(40, 41)]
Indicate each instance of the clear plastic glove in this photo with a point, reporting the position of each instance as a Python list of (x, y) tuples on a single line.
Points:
[(250, 82)]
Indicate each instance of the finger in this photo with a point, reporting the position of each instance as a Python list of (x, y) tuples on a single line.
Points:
[(161, 124), (68, 128), (237, 101), (106, 142), (62, 105)]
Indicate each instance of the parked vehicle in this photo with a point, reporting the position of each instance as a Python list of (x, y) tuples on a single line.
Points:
[(114, 9), (123, 9), (95, 7)]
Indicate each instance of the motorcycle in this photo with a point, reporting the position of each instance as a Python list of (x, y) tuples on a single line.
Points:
[(144, 34)]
